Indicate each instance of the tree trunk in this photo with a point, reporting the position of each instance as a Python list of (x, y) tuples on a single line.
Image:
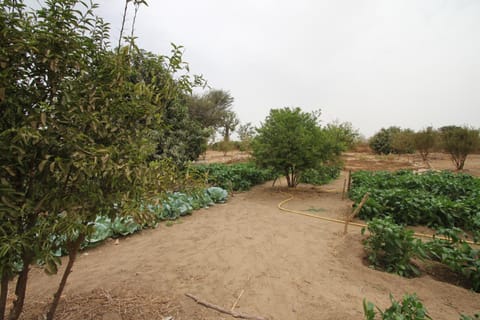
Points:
[(3, 296), (72, 255), (287, 175), (226, 135), (21, 288)]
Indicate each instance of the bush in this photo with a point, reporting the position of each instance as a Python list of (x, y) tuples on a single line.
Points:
[(381, 142), (425, 141), (233, 177), (390, 247), (393, 140), (410, 308), (322, 175)]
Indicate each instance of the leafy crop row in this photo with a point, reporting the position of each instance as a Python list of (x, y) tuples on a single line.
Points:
[(437, 199), (233, 177), (170, 207), (391, 247), (409, 308)]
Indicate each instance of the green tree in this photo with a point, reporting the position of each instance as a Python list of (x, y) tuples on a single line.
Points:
[(392, 140), (211, 108), (403, 141), (425, 141), (291, 141), (180, 137), (228, 125), (459, 142), (344, 133), (246, 133), (381, 142), (76, 133)]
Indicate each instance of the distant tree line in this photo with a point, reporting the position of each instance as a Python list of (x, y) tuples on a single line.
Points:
[(457, 141)]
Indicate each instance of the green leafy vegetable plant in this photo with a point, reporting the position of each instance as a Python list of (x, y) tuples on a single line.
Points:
[(436, 199), (409, 308), (390, 247)]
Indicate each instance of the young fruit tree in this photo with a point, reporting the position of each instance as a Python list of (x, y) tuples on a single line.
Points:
[(291, 141)]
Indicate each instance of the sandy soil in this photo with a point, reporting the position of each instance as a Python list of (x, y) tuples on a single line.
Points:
[(287, 266)]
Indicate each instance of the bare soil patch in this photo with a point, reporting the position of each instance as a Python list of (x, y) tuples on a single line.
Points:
[(289, 266)]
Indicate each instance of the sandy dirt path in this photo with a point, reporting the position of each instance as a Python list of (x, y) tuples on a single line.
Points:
[(289, 267)]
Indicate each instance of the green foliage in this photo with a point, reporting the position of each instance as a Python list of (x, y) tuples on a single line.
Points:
[(234, 177), (392, 140), (458, 255), (381, 142), (425, 141), (246, 133), (437, 199), (78, 127), (217, 194), (210, 109), (390, 247), (344, 133), (403, 141), (466, 317), (291, 141), (321, 175), (459, 142), (169, 207), (410, 308), (226, 146), (229, 124)]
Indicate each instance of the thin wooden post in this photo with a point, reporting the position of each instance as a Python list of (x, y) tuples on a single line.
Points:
[(349, 180), (355, 212)]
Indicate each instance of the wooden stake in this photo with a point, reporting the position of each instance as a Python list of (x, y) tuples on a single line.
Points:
[(223, 310), (349, 180), (344, 186), (355, 212)]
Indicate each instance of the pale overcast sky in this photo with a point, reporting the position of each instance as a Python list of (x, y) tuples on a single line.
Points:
[(410, 63)]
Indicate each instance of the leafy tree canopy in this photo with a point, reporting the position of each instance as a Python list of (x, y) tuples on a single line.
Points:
[(291, 141), (459, 142)]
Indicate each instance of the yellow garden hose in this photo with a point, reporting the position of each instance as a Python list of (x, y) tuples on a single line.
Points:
[(361, 225)]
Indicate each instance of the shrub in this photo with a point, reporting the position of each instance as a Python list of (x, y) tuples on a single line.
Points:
[(424, 142), (381, 142), (392, 140), (321, 175), (234, 177)]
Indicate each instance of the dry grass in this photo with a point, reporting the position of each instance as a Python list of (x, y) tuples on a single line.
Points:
[(102, 304)]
